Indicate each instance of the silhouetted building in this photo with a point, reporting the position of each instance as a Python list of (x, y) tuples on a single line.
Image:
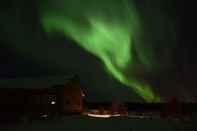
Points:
[(12, 104), (72, 97), (42, 102)]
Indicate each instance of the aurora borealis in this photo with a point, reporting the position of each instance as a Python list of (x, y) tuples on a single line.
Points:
[(162, 55), (106, 29)]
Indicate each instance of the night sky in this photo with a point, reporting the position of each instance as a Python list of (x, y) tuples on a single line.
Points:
[(27, 52)]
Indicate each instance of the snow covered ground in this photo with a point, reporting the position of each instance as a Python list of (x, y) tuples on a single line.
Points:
[(84, 123)]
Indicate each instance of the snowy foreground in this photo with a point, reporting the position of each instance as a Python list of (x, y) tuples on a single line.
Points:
[(85, 123)]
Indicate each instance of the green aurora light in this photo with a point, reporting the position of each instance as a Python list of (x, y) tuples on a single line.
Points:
[(106, 29)]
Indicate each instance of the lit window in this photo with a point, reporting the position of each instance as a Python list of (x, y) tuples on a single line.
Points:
[(53, 102), (44, 116)]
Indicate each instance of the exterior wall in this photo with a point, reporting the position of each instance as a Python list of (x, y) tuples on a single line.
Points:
[(42, 103), (12, 103), (72, 98)]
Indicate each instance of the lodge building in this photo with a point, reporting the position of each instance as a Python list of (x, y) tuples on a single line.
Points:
[(41, 103)]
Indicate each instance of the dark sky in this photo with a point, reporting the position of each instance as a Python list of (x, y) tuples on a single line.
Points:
[(27, 52)]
